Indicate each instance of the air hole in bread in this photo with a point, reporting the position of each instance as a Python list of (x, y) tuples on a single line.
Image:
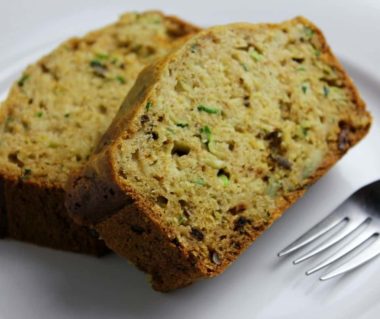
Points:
[(237, 209), (13, 158), (333, 82), (102, 109), (298, 60), (154, 135), (231, 145), (223, 172), (240, 223), (162, 201), (197, 233), (246, 101), (144, 119), (180, 149)]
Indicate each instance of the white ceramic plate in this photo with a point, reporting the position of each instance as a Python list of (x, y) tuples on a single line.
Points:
[(42, 283)]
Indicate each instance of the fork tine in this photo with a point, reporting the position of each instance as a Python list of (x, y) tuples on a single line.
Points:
[(315, 232), (369, 253), (352, 224), (355, 243)]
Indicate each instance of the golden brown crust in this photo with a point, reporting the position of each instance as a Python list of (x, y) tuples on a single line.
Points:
[(111, 225), (45, 206), (138, 238)]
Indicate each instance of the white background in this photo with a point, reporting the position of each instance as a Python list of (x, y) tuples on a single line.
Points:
[(41, 283)]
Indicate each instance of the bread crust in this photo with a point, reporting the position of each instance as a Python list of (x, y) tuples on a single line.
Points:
[(45, 206), (32, 209), (114, 225)]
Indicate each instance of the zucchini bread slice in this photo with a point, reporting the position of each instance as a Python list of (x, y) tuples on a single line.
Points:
[(213, 144), (56, 113)]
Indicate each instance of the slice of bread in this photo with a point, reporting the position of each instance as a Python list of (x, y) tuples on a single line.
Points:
[(213, 144), (56, 113)]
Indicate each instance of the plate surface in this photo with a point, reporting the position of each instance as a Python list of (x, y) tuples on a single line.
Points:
[(42, 283)]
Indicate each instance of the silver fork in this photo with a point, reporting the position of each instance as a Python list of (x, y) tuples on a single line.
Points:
[(361, 210)]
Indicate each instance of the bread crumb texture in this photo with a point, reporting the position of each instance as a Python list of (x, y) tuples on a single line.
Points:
[(60, 106), (55, 114), (240, 121)]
